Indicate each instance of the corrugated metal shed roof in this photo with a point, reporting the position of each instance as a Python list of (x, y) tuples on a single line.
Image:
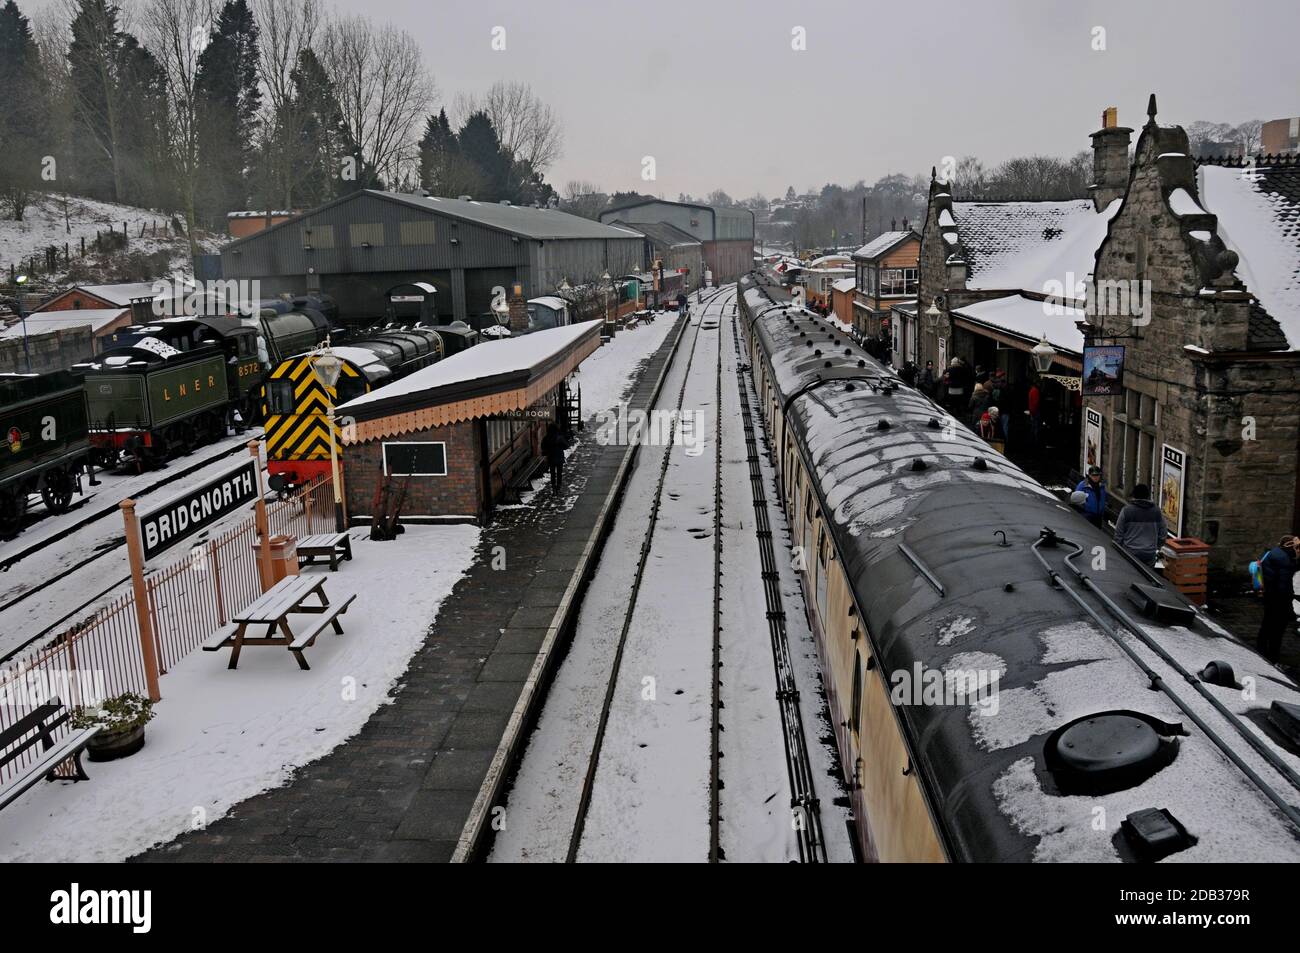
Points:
[(663, 233), (521, 220)]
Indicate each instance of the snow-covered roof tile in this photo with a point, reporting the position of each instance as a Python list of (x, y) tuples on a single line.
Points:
[(880, 244), (1259, 218), (1024, 245)]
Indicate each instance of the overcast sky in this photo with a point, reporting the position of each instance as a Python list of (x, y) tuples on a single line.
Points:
[(714, 92)]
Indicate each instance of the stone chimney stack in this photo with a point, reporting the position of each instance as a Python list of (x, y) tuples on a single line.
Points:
[(518, 310), (1109, 160)]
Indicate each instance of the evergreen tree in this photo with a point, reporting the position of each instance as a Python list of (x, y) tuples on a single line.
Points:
[(21, 128), (143, 128), (322, 142), (438, 151), (229, 99), (481, 147), (93, 58)]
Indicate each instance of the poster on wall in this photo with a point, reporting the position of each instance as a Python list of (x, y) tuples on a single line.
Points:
[(1091, 439), (1173, 467), (943, 356), (1103, 370)]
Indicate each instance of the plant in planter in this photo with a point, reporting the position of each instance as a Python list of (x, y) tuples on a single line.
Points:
[(121, 722)]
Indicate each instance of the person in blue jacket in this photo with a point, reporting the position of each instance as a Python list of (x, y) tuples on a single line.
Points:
[(1094, 499), (1278, 567)]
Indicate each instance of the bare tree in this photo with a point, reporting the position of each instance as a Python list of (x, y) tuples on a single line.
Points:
[(176, 32), (584, 199), (1250, 135), (286, 28), (528, 128), (383, 88)]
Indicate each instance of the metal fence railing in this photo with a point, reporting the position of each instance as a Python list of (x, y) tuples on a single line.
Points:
[(101, 656)]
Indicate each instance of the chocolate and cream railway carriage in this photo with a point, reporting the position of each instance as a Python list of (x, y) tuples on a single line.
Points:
[(1005, 684)]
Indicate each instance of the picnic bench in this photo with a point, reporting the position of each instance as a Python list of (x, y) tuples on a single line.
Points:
[(331, 546), (39, 725), (271, 611)]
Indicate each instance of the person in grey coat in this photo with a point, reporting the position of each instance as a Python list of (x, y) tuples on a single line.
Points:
[(1140, 528)]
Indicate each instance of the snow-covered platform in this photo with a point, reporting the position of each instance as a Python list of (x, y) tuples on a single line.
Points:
[(419, 781)]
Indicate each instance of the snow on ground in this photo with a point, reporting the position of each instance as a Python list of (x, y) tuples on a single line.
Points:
[(605, 375), (756, 799), (44, 224), (221, 736), (544, 799), (650, 798), (107, 575)]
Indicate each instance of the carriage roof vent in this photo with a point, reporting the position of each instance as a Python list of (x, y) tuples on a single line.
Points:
[(850, 386), (1219, 673), (827, 364), (918, 465), (884, 424), (1154, 834), (1161, 605), (1109, 751), (980, 464), (861, 363), (816, 353), (848, 352), (933, 423)]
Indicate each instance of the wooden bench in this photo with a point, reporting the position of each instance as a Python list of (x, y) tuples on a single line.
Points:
[(513, 482), (331, 546), (220, 637), (39, 725), (329, 617)]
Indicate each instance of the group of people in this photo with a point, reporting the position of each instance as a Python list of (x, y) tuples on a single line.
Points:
[(1140, 530), (975, 396)]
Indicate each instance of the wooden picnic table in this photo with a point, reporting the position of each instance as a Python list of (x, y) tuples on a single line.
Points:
[(290, 596), (331, 546)]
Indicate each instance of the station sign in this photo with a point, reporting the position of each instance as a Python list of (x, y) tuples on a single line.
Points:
[(184, 515)]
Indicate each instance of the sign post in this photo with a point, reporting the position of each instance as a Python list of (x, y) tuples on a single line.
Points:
[(148, 651), (263, 524)]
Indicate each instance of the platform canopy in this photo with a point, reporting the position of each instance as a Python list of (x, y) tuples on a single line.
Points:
[(492, 378)]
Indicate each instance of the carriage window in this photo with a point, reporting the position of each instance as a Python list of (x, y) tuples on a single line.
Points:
[(279, 396), (855, 720), (821, 578)]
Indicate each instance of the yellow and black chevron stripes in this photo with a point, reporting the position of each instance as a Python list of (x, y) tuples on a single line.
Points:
[(304, 433)]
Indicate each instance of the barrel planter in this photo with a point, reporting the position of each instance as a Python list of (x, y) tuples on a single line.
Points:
[(111, 745)]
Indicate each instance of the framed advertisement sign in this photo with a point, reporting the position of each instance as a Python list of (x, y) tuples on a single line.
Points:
[(1103, 370), (1091, 439), (1173, 476)]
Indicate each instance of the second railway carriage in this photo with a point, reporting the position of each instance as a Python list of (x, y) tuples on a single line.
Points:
[(296, 403), (1004, 682), (44, 445)]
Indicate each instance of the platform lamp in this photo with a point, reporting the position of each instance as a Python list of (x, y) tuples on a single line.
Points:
[(327, 366), (607, 283), (22, 316), (1043, 354)]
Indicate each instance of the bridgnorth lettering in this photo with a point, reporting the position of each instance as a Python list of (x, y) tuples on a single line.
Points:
[(172, 522)]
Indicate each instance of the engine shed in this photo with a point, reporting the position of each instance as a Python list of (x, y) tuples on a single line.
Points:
[(456, 437)]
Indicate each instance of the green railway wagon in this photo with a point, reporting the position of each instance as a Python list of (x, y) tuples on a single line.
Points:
[(150, 409), (46, 445)]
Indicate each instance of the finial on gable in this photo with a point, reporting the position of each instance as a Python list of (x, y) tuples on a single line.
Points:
[(1151, 108)]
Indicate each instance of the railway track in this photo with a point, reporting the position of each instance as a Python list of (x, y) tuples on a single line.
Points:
[(718, 299), (805, 806), (110, 545)]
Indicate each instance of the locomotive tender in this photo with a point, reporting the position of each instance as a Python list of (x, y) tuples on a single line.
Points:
[(1107, 736)]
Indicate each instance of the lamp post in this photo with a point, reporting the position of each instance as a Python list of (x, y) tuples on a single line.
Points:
[(1043, 354), (327, 367), (608, 284), (22, 316)]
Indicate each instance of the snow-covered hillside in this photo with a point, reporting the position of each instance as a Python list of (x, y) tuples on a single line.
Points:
[(56, 219)]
